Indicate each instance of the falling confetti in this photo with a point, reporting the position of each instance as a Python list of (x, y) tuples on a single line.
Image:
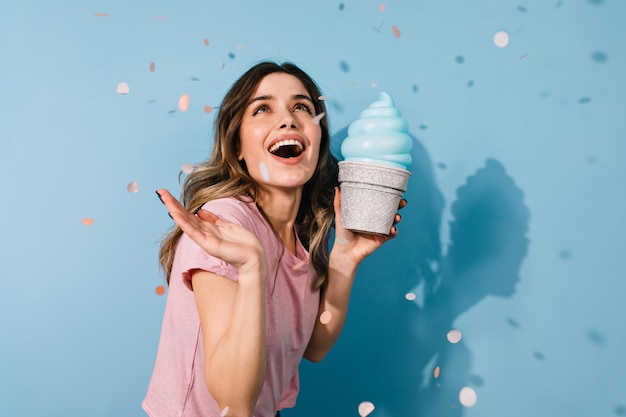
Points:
[(102, 14), (522, 9), (132, 187), (501, 39), (159, 290), (160, 17), (410, 296), (374, 85), (381, 8), (344, 66), (264, 172), (186, 169), (365, 408), (225, 411), (325, 317), (183, 102), (87, 221), (208, 109), (341, 6), (584, 100), (152, 66), (454, 336), (467, 397), (436, 372), (206, 41), (459, 59), (599, 57), (319, 117), (396, 31), (470, 83), (322, 98), (123, 88)]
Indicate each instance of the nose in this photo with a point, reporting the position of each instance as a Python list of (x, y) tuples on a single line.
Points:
[(287, 120)]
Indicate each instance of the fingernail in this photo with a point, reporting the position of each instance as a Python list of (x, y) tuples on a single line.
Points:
[(168, 213), (157, 193)]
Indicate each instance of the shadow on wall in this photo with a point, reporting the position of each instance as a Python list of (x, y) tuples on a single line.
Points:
[(391, 346)]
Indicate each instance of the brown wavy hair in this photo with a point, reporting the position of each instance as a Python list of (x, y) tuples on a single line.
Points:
[(222, 175)]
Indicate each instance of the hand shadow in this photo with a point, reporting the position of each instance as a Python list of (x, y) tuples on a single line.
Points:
[(389, 344)]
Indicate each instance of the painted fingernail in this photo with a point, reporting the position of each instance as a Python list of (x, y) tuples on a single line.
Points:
[(169, 214), (157, 193)]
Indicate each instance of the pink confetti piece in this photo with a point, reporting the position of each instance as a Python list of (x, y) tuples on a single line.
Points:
[(206, 41), (365, 408), (374, 85), (102, 14), (186, 169), (317, 118), (396, 31), (322, 98), (132, 187), (87, 221), (381, 8), (501, 39), (454, 336), (160, 17), (240, 46), (410, 296), (325, 317), (123, 88), (436, 372), (183, 102), (467, 397), (152, 67), (208, 109)]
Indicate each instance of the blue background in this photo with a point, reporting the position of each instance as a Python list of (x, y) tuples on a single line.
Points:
[(514, 233)]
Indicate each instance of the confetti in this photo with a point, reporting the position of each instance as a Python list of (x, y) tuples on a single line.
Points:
[(410, 296), (454, 336), (87, 221), (160, 17), (206, 41), (523, 56), (599, 56), (459, 59), (374, 85), (467, 397), (322, 98), (123, 88), (365, 408), (584, 100), (240, 46), (501, 39), (132, 187), (208, 109), (186, 169), (264, 172), (381, 8), (159, 290), (436, 372), (319, 117), (152, 67), (183, 102), (225, 411), (396, 31), (102, 14), (325, 317)]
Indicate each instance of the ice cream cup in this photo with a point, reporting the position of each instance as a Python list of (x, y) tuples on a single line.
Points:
[(370, 195)]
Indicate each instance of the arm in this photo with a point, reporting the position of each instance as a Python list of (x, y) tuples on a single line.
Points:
[(349, 250), (232, 314)]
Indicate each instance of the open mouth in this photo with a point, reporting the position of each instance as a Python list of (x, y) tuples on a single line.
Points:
[(290, 148)]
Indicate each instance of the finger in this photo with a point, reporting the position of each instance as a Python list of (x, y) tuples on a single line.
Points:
[(172, 204), (402, 204), (397, 218), (337, 207), (207, 215)]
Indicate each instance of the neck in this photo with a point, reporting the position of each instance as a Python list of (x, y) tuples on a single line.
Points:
[(281, 209)]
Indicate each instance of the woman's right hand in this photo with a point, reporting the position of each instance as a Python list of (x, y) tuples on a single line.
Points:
[(227, 241)]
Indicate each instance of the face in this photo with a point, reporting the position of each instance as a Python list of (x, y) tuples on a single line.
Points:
[(280, 135)]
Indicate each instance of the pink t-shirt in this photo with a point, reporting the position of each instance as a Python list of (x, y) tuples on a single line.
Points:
[(178, 385)]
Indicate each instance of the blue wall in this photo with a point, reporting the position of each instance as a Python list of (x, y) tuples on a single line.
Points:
[(514, 233)]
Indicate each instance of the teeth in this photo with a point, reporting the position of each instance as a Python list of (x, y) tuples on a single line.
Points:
[(288, 142)]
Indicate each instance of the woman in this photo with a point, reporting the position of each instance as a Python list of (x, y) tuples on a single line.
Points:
[(252, 288)]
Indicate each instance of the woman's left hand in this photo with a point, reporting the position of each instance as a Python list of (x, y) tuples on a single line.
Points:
[(359, 245)]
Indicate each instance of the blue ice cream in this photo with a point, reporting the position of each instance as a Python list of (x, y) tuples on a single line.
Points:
[(379, 135)]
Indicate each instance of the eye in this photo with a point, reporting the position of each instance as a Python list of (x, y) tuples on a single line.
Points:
[(302, 107), (263, 108)]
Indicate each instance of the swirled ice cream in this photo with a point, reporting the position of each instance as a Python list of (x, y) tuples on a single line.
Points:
[(379, 135)]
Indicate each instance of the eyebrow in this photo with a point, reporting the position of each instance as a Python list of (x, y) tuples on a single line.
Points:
[(295, 97)]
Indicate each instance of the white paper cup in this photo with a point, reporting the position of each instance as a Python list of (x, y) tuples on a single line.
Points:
[(370, 195)]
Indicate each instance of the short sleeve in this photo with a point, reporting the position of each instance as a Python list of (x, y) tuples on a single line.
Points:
[(190, 256)]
